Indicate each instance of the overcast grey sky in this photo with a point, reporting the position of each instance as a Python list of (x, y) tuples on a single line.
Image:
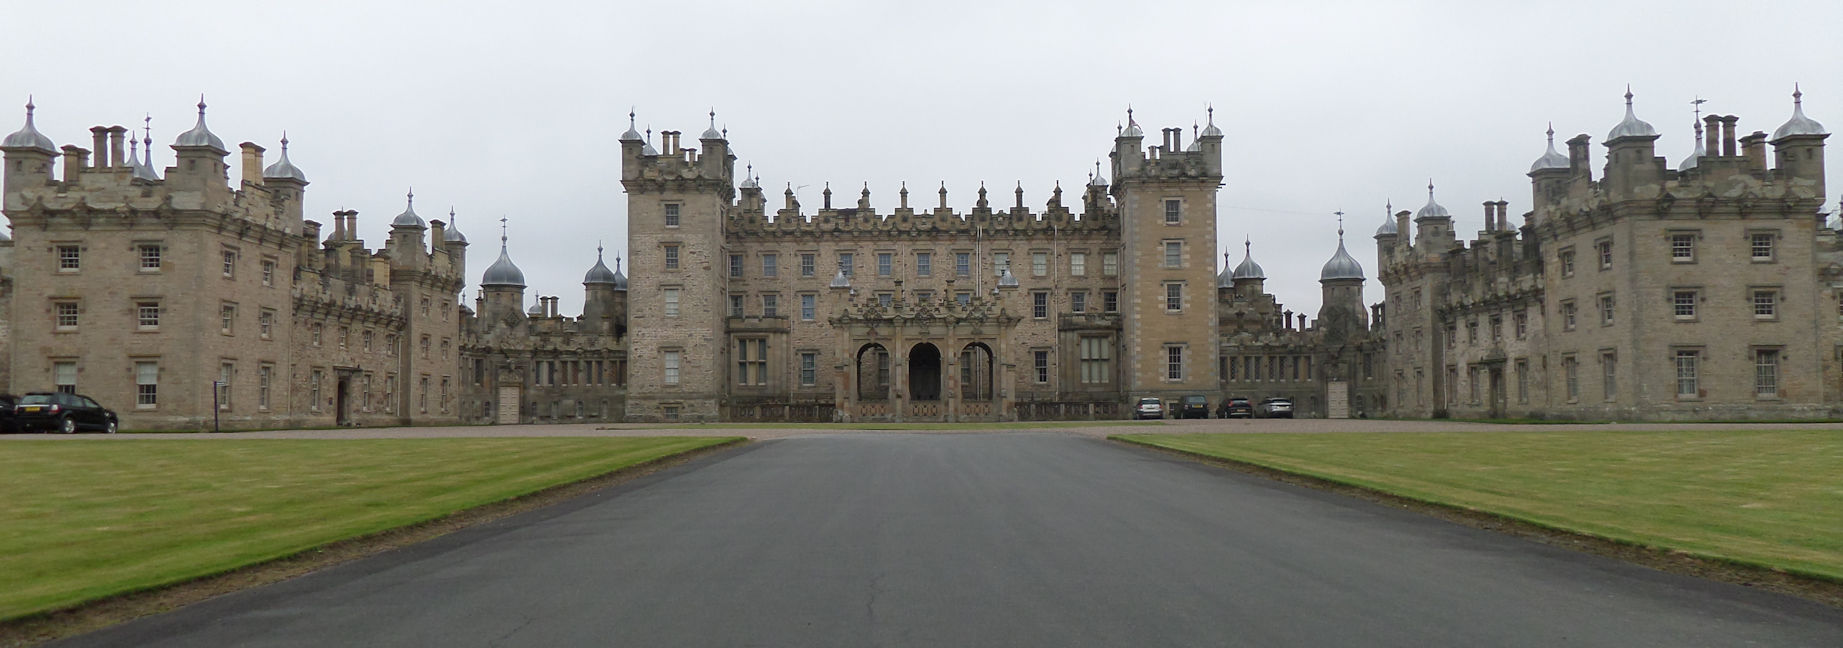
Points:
[(512, 109)]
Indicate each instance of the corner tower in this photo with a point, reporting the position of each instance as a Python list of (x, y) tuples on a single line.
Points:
[(1167, 201), (678, 200)]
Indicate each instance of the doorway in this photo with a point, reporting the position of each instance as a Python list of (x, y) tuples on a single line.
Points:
[(925, 372)]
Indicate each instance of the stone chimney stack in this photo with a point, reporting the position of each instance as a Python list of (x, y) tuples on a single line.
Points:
[(252, 163), (1490, 216), (75, 161), (1578, 164), (99, 139), (1711, 134), (1503, 215), (1753, 147), (1727, 134), (118, 158)]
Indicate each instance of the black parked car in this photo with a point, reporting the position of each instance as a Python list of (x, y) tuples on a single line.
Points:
[(60, 412), (1193, 407), (1236, 407), (8, 423)]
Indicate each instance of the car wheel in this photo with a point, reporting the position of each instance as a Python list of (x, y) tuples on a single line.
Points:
[(109, 428), (67, 426)]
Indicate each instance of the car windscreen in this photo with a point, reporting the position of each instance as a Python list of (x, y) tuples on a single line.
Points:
[(36, 399)]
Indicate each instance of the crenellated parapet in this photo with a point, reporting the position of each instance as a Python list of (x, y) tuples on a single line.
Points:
[(909, 223)]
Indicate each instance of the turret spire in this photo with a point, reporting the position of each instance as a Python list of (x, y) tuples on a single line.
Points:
[(28, 136)]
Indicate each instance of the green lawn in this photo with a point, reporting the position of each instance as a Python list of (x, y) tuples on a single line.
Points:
[(86, 519), (1772, 499)]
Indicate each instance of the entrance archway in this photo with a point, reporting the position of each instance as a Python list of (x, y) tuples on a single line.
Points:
[(924, 372), (873, 370), (976, 372)]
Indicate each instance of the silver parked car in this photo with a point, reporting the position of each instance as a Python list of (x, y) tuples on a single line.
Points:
[(1275, 408)]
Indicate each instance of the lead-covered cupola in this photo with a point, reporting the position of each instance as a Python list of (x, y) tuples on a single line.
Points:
[(1799, 124), (1342, 266), (28, 137), (283, 169), (408, 218), (1551, 159), (1631, 126), (503, 273), (200, 136)]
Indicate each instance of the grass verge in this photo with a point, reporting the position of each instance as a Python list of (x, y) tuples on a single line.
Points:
[(88, 521), (1763, 501)]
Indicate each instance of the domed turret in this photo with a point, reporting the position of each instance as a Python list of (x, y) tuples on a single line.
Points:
[(503, 273), (1389, 228), (145, 169), (599, 274), (1132, 127), (1248, 268), (1210, 129), (631, 134), (1799, 124), (1226, 278), (408, 218), (712, 133), (1342, 265), (284, 169), (453, 234), (1431, 209), (1695, 158), (1551, 159), (1631, 126), (28, 136), (200, 136)]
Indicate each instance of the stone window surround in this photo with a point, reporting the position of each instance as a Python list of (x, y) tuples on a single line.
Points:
[(1775, 297), (1683, 240), (1694, 353), (1693, 294), (1771, 239)]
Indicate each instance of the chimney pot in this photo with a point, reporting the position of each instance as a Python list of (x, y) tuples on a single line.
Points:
[(1727, 134), (99, 138), (252, 163), (117, 157)]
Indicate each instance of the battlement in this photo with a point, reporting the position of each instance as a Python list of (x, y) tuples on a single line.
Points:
[(751, 221), (674, 167), (1170, 160), (123, 184)]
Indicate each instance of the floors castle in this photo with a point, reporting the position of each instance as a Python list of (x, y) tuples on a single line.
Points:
[(184, 300)]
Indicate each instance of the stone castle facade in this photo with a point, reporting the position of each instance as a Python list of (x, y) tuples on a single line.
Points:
[(158, 292)]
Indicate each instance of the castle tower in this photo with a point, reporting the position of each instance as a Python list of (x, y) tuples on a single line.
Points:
[(503, 286), (601, 288), (456, 243), (1631, 159), (406, 244), (1387, 235), (28, 157), (1341, 314), (200, 165), (285, 181), (1166, 198), (1248, 279), (1798, 146), (678, 201), (1548, 177)]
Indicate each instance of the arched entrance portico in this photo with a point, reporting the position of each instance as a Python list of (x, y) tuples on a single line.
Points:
[(924, 372), (922, 361)]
